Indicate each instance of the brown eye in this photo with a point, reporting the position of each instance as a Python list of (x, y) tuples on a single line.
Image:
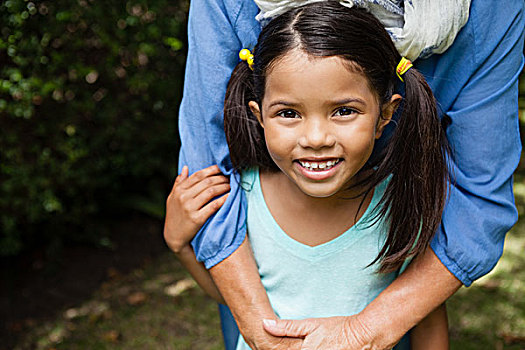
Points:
[(288, 113), (345, 111)]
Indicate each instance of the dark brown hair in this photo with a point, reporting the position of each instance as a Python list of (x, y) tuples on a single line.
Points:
[(414, 156)]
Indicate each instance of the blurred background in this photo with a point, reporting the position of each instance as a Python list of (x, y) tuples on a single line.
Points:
[(89, 95)]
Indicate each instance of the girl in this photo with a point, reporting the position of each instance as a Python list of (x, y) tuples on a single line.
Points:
[(330, 222)]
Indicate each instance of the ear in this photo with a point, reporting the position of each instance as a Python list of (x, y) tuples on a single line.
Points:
[(387, 112), (254, 107)]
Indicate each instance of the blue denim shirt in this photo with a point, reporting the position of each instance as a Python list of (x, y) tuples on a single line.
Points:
[(475, 83)]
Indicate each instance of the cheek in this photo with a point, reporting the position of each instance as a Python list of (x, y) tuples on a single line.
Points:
[(280, 141), (358, 142)]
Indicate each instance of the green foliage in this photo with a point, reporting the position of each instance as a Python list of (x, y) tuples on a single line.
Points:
[(89, 93)]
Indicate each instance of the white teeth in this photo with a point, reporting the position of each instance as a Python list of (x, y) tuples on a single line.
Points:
[(319, 165)]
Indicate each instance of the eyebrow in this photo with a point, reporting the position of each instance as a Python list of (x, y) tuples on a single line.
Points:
[(346, 101), (284, 103), (331, 103)]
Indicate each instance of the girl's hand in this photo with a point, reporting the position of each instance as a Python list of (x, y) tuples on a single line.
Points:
[(334, 333), (188, 205)]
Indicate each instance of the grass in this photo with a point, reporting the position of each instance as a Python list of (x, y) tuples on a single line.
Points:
[(159, 307)]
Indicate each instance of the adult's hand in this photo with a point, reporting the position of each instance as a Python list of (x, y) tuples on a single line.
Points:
[(335, 333), (269, 342)]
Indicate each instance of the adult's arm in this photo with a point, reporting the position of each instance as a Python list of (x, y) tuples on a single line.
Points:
[(476, 85), (239, 283)]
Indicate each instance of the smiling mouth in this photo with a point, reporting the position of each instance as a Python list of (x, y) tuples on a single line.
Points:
[(319, 165)]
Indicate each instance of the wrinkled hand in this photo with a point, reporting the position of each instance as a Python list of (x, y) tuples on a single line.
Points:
[(276, 343), (261, 340), (188, 205), (334, 333)]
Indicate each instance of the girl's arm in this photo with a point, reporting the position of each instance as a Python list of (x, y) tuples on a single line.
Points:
[(432, 332), (188, 207), (199, 273)]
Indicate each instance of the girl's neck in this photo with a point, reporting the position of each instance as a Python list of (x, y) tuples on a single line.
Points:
[(311, 220)]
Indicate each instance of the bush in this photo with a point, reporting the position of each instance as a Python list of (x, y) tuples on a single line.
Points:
[(89, 93)]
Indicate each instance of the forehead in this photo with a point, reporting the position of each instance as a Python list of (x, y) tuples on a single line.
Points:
[(302, 75)]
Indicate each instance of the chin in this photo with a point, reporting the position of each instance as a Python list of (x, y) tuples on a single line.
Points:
[(319, 192)]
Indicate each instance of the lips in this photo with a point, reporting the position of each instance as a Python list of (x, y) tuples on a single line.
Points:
[(318, 165), (318, 169)]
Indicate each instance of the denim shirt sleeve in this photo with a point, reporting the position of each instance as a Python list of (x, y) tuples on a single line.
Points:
[(476, 85), (217, 30)]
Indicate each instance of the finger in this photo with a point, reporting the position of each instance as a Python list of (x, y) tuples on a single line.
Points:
[(289, 328), (207, 193), (185, 171), (202, 174), (204, 186), (182, 176), (212, 207), (207, 197)]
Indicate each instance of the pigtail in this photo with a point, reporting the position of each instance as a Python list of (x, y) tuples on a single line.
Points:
[(244, 135), (416, 157)]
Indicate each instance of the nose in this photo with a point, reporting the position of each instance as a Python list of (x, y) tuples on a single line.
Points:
[(317, 134)]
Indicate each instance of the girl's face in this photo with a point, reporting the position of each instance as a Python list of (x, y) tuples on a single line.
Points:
[(320, 120)]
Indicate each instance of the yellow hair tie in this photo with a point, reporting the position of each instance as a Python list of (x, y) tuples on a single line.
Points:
[(403, 66), (246, 56)]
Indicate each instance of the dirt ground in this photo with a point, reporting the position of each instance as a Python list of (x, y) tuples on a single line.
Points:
[(36, 289)]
